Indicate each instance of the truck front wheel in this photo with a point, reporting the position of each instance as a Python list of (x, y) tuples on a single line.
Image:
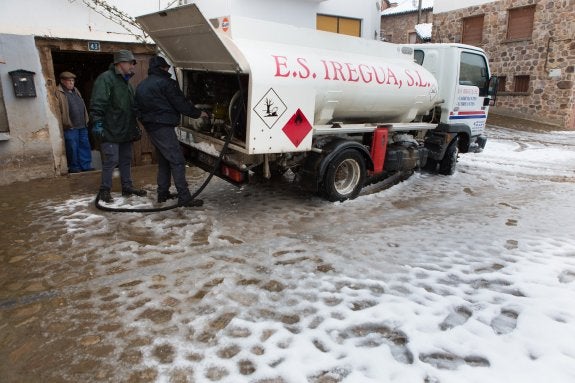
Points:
[(447, 164), (344, 176)]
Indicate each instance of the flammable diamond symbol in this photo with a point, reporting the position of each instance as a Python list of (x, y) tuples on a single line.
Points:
[(297, 128)]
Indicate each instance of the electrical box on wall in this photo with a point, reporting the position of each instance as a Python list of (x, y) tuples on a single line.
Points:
[(23, 83)]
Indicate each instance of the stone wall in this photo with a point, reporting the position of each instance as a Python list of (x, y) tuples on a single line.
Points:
[(400, 25), (548, 57)]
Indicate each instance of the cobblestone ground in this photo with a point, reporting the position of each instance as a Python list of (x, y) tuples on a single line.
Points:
[(71, 275)]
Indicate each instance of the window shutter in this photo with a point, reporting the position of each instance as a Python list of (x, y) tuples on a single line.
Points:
[(350, 27), (520, 23), (472, 30), (326, 23)]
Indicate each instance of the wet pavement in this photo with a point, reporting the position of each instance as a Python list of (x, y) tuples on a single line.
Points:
[(71, 273), (88, 296)]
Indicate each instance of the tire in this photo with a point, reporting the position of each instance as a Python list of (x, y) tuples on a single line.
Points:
[(344, 176), (430, 165), (449, 161)]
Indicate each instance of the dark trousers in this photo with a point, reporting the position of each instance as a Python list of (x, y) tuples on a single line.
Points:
[(171, 161), (116, 154), (78, 151)]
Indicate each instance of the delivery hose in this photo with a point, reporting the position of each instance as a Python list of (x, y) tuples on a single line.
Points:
[(204, 184)]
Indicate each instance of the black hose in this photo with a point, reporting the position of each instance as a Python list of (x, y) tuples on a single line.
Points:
[(200, 189)]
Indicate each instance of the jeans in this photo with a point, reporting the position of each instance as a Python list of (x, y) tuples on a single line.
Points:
[(171, 161), (116, 154), (78, 151)]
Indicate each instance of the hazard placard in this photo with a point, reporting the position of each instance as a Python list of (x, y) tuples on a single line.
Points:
[(270, 108), (297, 128)]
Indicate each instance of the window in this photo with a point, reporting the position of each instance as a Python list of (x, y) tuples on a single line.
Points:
[(472, 30), (418, 56), (337, 24), (521, 84), (501, 86), (520, 23), (412, 38), (473, 72)]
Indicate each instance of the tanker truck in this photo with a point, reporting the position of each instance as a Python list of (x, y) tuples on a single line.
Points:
[(337, 111)]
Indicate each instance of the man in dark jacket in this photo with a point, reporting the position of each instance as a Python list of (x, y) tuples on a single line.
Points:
[(114, 123), (74, 117), (159, 105)]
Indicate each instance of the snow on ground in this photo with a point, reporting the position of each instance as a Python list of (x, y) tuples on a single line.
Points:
[(468, 278)]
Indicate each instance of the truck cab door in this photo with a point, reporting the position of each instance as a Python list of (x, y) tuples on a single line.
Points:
[(472, 92)]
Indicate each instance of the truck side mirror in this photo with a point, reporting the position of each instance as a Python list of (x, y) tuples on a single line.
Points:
[(492, 86)]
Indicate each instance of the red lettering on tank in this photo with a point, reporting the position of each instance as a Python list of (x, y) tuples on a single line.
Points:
[(348, 72), (377, 77), (391, 75), (364, 70), (337, 69), (281, 62), (411, 81), (352, 73), (303, 64), (326, 70), (422, 83)]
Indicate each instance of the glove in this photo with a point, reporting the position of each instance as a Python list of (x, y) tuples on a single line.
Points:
[(98, 129)]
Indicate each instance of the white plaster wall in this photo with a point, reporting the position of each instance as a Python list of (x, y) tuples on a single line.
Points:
[(68, 19), (73, 19), (34, 131), (440, 6), (295, 12)]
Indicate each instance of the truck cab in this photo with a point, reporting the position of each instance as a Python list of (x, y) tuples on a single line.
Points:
[(466, 88)]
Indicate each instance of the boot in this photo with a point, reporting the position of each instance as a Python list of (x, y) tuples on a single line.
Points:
[(132, 191), (104, 195), (164, 196), (188, 201), (191, 203)]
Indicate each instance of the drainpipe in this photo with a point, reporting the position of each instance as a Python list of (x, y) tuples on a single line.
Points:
[(419, 13)]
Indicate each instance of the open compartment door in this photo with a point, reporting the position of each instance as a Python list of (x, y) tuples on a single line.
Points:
[(188, 39)]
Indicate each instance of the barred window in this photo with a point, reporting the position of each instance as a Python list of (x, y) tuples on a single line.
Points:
[(521, 84), (501, 86)]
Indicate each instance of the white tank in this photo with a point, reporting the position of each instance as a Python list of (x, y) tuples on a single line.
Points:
[(354, 80)]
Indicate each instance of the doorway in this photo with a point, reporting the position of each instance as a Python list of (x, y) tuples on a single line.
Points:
[(87, 66)]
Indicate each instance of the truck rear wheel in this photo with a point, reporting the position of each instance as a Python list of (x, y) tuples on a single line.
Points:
[(344, 176), (449, 161)]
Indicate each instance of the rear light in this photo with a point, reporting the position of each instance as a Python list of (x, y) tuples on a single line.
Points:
[(231, 173)]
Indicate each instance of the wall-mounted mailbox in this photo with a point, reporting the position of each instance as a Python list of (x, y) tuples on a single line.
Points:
[(23, 83)]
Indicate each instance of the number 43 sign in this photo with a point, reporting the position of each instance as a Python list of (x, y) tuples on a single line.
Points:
[(94, 46)]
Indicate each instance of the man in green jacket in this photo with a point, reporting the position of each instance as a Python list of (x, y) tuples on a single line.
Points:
[(114, 123)]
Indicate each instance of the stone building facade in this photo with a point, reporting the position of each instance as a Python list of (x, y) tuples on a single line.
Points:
[(398, 27), (538, 71)]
